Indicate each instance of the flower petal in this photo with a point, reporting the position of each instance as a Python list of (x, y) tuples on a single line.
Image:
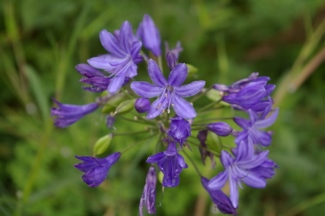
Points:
[(105, 62), (155, 158), (157, 107), (234, 194), (155, 74), (111, 44), (124, 35), (218, 181), (146, 90), (268, 121), (178, 75), (190, 89), (115, 84), (183, 108)]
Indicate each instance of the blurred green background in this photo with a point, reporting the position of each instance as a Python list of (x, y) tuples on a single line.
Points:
[(42, 41)]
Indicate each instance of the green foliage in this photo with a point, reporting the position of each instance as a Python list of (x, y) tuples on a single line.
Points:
[(42, 41)]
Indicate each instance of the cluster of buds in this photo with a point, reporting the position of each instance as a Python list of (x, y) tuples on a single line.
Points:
[(161, 105)]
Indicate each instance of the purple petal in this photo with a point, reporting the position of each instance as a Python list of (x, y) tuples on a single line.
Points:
[(135, 50), (115, 84), (253, 161), (105, 62), (155, 158), (243, 123), (111, 44), (183, 108), (218, 181), (124, 35), (190, 89), (88, 71), (234, 194), (268, 121), (254, 180), (155, 74), (226, 159), (146, 90), (149, 34), (178, 75), (157, 107), (181, 161)]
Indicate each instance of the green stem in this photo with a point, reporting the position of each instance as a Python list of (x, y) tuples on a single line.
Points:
[(193, 163), (142, 140), (131, 133)]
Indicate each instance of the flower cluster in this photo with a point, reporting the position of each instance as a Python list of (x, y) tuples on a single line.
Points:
[(163, 105)]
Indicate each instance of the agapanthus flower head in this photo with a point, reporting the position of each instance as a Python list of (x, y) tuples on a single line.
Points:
[(170, 163), (67, 114), (169, 92), (149, 35), (148, 197), (246, 166), (142, 105), (219, 198), (220, 128), (123, 57), (179, 129), (251, 128), (96, 169)]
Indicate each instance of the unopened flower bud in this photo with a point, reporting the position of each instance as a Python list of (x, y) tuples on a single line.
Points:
[(220, 128), (142, 105)]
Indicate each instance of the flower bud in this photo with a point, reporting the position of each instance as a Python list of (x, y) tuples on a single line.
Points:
[(124, 107), (102, 144), (142, 105), (220, 128)]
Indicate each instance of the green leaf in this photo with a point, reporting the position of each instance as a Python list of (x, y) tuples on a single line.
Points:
[(38, 91)]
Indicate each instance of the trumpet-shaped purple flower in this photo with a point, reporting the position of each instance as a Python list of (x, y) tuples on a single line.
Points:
[(248, 167), (170, 91), (123, 57), (220, 128), (170, 163), (96, 80), (149, 35), (251, 128), (149, 193), (67, 114), (179, 129), (248, 93), (219, 198), (96, 169)]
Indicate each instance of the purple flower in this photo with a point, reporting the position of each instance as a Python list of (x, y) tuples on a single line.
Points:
[(249, 93), (251, 128), (219, 198), (220, 128), (172, 55), (149, 35), (142, 105), (149, 193), (170, 163), (96, 80), (170, 91), (96, 169), (179, 129), (202, 137), (123, 58), (247, 167), (67, 114)]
